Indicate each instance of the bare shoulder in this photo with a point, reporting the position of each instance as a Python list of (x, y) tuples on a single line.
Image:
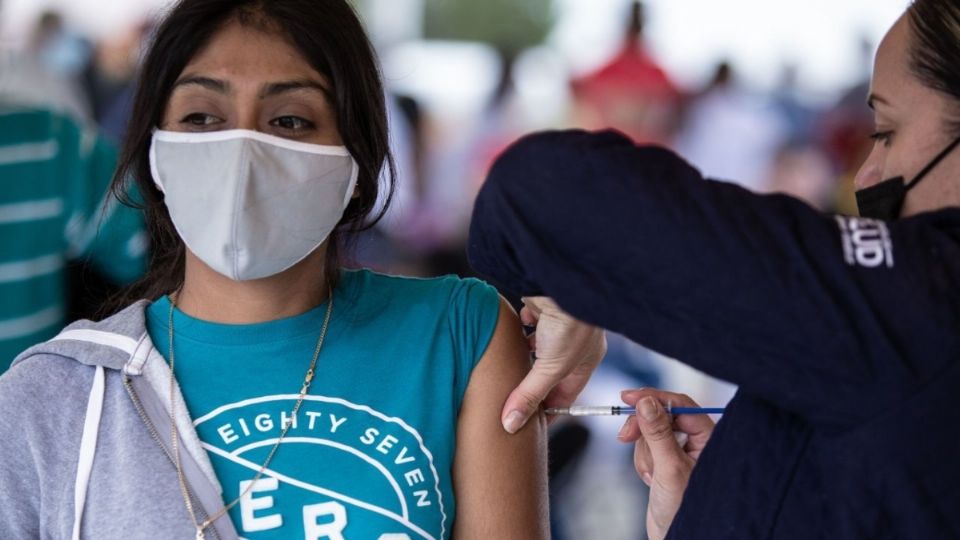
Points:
[(499, 479)]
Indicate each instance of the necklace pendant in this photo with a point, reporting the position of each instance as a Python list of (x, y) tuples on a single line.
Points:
[(200, 535)]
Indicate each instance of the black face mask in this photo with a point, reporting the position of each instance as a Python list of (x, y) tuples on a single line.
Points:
[(885, 200)]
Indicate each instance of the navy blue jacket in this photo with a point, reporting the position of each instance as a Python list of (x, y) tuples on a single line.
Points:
[(842, 333)]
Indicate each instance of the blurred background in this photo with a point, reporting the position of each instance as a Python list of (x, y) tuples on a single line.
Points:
[(768, 94)]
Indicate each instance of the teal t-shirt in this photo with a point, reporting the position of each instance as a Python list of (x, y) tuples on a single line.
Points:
[(370, 453)]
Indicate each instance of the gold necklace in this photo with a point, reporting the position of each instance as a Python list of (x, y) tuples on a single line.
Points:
[(286, 427)]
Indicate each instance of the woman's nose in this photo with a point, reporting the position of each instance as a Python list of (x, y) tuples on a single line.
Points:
[(247, 121), (870, 172)]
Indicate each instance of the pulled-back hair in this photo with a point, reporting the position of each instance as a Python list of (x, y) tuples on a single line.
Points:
[(935, 49)]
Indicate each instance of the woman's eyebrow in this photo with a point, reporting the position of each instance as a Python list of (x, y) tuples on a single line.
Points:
[(273, 89), (216, 85), (873, 98)]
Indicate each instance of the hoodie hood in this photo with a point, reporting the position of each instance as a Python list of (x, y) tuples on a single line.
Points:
[(121, 351), (119, 342)]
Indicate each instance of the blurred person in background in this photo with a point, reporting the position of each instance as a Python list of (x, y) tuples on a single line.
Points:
[(398, 242), (841, 129), (108, 77), (27, 81), (731, 133), (59, 49), (841, 332), (631, 93), (788, 101), (801, 166), (257, 141), (803, 170), (499, 123), (55, 171)]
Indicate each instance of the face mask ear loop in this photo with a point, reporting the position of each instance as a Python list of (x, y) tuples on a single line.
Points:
[(932, 164)]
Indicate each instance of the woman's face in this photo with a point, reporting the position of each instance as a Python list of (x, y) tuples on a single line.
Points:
[(911, 129), (246, 78)]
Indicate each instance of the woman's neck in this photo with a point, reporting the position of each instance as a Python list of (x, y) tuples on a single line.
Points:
[(211, 296)]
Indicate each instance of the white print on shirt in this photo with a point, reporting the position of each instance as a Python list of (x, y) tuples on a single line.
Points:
[(250, 504), (358, 451), (321, 521), (332, 527), (866, 242)]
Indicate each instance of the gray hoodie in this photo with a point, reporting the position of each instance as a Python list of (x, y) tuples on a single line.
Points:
[(85, 440)]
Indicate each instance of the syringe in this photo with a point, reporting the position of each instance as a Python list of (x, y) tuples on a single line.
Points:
[(614, 410)]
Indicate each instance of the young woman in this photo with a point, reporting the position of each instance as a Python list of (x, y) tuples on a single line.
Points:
[(262, 391)]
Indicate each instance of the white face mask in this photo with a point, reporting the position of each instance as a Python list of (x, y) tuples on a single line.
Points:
[(248, 204)]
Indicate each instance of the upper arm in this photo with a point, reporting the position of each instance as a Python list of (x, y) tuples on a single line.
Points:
[(500, 480)]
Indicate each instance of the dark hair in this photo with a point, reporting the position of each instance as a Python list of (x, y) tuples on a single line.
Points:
[(330, 37), (935, 48)]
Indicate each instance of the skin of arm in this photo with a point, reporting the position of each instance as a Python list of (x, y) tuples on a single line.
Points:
[(500, 480)]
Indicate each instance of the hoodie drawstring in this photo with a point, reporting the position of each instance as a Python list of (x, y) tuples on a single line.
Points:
[(88, 447)]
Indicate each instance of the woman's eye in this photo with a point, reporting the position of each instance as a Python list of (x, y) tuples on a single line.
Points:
[(291, 123), (882, 136), (199, 119)]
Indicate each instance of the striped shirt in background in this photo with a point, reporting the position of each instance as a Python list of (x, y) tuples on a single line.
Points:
[(54, 206)]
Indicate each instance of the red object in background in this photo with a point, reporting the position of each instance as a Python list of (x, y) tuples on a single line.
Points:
[(631, 93)]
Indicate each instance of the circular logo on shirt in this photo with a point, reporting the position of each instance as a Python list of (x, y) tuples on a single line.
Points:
[(343, 470)]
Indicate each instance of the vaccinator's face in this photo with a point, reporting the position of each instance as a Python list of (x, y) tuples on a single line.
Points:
[(910, 128)]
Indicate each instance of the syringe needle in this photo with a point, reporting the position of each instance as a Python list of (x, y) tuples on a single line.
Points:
[(593, 410)]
